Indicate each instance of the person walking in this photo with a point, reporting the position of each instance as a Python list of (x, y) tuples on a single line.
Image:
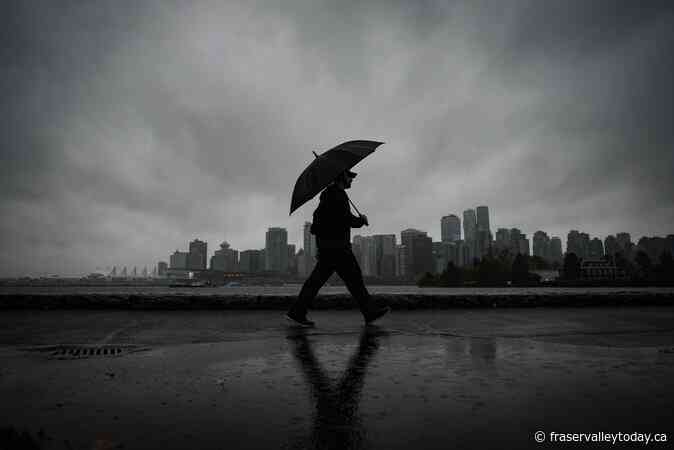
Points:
[(332, 225)]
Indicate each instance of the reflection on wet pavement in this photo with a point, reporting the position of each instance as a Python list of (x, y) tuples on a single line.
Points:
[(336, 421)]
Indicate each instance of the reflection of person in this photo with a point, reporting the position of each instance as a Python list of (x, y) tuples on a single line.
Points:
[(336, 421), (332, 226)]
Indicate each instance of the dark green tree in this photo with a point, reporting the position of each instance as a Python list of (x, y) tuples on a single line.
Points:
[(571, 267), (665, 268), (427, 280), (644, 265), (520, 269), (452, 275)]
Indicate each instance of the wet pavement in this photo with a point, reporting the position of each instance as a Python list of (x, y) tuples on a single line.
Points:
[(424, 379)]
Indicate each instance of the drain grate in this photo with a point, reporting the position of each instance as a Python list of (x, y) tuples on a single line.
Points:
[(85, 351)]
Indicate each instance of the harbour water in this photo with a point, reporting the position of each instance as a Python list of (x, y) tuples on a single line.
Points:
[(294, 289)]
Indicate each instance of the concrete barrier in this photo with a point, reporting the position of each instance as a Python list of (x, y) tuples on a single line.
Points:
[(334, 301)]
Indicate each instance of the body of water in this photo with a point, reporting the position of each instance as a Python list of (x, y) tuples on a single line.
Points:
[(294, 289)]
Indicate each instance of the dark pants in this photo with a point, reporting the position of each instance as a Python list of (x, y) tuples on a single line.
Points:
[(328, 261)]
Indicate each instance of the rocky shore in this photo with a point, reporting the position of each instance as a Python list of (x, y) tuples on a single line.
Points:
[(336, 301)]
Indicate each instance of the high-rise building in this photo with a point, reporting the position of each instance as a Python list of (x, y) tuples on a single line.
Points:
[(611, 245), (198, 255), (419, 251), (450, 228), (483, 219), (402, 269), (596, 248), (292, 260), (469, 225), (225, 259), (578, 243), (502, 240), (541, 245), (524, 245), (368, 256), (276, 250), (483, 245), (301, 263), (555, 249), (384, 255), (178, 260), (162, 267), (443, 253), (309, 253), (252, 261)]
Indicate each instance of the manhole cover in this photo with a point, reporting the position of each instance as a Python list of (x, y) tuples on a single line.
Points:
[(85, 351)]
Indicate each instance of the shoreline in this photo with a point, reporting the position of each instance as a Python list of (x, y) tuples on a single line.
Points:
[(324, 302)]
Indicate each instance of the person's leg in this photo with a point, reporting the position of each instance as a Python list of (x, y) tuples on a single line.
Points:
[(322, 270), (349, 271)]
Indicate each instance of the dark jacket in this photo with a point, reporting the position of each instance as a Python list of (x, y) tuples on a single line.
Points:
[(333, 220)]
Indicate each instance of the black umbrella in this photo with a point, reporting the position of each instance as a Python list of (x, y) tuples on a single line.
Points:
[(326, 167)]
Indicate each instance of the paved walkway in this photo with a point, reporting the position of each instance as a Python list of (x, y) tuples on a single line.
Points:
[(426, 379)]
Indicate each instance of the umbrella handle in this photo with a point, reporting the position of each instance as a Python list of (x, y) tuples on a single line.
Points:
[(354, 207)]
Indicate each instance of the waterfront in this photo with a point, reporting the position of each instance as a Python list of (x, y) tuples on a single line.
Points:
[(294, 289)]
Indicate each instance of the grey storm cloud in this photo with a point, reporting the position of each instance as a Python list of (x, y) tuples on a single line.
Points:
[(130, 128)]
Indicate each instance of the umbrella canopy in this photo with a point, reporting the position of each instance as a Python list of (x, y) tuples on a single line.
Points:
[(326, 167)]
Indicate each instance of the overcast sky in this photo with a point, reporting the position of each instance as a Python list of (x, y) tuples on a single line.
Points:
[(132, 127)]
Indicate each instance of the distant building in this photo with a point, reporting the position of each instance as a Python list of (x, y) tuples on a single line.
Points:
[(469, 225), (524, 245), (309, 253), (443, 253), (541, 245), (450, 228), (178, 260), (556, 249), (482, 221), (292, 260), (483, 245), (198, 255), (402, 269), (419, 251), (252, 261), (578, 243), (162, 267), (611, 245), (600, 269), (301, 263), (596, 249), (502, 241), (384, 255), (225, 259), (368, 256), (276, 250)]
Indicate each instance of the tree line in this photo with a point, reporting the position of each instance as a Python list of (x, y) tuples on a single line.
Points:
[(506, 270)]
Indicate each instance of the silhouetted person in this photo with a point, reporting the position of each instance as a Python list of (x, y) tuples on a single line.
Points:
[(332, 226), (336, 422)]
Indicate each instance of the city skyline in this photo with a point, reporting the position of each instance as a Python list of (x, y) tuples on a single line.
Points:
[(170, 120), (205, 259)]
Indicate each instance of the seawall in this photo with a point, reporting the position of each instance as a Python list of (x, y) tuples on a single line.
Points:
[(336, 301)]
